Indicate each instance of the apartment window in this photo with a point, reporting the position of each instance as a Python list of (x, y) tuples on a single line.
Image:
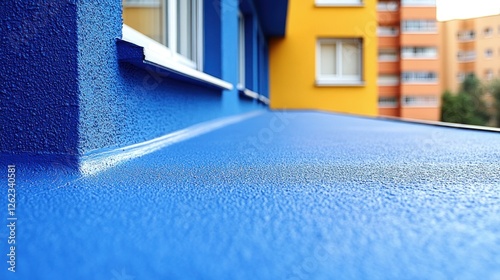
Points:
[(389, 31), (488, 32), (461, 76), (387, 102), (338, 2), (339, 61), (418, 2), (488, 53), (466, 56), (177, 24), (420, 101), (419, 52), (388, 55), (387, 6), (466, 35), (419, 77), (488, 74), (388, 80), (419, 26)]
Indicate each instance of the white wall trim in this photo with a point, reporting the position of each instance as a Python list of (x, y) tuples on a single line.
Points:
[(159, 54)]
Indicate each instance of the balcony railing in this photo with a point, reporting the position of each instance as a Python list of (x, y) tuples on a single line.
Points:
[(418, 3)]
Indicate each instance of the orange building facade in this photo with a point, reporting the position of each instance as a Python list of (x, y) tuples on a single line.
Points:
[(473, 47), (409, 71)]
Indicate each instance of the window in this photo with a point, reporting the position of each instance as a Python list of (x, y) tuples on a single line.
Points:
[(387, 6), (418, 2), (141, 3), (388, 80), (419, 52), (387, 102), (488, 53), (466, 35), (419, 77), (388, 55), (466, 56), (461, 76), (489, 74), (338, 2), (488, 32), (387, 31), (419, 26), (420, 101), (177, 24), (339, 61)]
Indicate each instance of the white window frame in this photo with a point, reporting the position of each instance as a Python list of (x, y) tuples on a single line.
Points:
[(387, 6), (388, 55), (467, 35), (388, 80), (419, 26), (388, 102), (170, 43), (387, 31), (141, 3), (338, 79), (339, 3), (426, 101), (420, 3), (466, 56), (411, 52), (419, 77)]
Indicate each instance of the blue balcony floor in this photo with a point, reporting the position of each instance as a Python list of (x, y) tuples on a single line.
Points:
[(299, 195)]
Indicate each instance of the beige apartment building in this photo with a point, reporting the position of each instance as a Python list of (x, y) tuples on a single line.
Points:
[(472, 46), (409, 51)]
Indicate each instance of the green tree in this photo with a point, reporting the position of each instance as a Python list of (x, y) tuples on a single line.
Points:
[(472, 86), (494, 89), (457, 108), (468, 106)]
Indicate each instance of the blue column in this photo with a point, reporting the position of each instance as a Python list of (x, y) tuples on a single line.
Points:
[(229, 46), (39, 80)]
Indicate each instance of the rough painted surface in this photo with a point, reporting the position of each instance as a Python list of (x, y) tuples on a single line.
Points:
[(122, 104), (64, 93), (38, 78), (279, 196)]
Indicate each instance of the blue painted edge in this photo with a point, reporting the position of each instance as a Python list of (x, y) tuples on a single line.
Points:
[(134, 55), (273, 16)]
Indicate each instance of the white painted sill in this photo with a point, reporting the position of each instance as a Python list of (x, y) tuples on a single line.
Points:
[(253, 94), (160, 55), (325, 5), (320, 83)]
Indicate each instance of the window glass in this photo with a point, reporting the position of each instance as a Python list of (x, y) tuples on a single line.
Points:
[(173, 23), (350, 59), (147, 17), (328, 59), (339, 61)]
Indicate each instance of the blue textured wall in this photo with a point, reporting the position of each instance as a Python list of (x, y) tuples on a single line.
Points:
[(64, 91), (122, 104), (38, 78)]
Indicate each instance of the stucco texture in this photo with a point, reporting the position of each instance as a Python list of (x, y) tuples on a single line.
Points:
[(279, 196)]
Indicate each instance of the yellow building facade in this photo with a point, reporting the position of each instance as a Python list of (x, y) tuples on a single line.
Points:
[(328, 58)]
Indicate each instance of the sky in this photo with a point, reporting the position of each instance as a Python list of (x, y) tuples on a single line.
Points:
[(455, 9)]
